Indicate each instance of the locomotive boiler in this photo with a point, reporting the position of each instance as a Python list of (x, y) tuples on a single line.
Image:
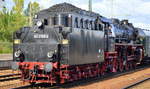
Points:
[(67, 43)]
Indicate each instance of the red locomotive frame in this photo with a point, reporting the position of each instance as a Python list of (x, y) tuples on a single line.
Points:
[(66, 73)]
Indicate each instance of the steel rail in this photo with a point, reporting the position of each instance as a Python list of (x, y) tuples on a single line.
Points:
[(8, 79), (8, 75), (139, 82)]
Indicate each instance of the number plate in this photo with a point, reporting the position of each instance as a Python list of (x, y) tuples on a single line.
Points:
[(41, 36)]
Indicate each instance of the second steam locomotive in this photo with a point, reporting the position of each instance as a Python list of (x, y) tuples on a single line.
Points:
[(67, 43)]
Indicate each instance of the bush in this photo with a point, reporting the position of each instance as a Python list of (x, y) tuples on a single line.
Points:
[(6, 47)]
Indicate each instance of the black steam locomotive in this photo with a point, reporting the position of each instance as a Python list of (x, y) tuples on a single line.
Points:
[(67, 43)]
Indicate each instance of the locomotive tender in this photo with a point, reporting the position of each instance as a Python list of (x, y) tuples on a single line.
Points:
[(67, 43)]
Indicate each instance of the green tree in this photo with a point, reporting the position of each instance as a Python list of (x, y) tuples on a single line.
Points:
[(31, 10), (5, 23), (18, 8), (11, 21)]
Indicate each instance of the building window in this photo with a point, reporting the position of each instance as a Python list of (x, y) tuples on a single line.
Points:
[(86, 24), (100, 27), (45, 22), (95, 25), (76, 23), (54, 20), (64, 20), (81, 23), (91, 25)]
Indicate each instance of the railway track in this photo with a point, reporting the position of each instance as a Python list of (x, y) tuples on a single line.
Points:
[(9, 81), (106, 77), (4, 68), (11, 84), (9, 77), (81, 82), (135, 84), (2, 76), (7, 71), (40, 86)]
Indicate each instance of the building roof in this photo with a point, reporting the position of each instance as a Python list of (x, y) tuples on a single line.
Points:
[(66, 7)]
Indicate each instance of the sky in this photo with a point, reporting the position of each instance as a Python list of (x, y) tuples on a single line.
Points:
[(136, 11)]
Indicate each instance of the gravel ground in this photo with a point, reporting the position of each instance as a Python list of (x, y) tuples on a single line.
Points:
[(12, 84), (144, 85), (118, 82)]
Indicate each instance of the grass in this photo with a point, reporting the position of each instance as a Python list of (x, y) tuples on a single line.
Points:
[(5, 47)]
